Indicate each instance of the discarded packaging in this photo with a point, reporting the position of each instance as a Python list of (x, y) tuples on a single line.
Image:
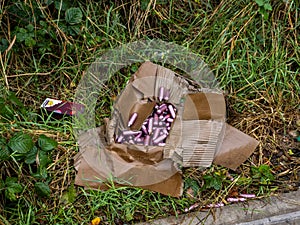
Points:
[(161, 122), (58, 108)]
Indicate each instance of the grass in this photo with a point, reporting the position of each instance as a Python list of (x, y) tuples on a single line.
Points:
[(255, 59)]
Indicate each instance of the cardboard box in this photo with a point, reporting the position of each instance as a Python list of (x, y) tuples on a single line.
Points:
[(198, 136)]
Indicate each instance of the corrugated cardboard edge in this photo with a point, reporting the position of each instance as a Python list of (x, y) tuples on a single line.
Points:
[(86, 176), (236, 148)]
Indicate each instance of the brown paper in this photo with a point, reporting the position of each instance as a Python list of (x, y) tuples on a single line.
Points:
[(198, 137), (235, 149), (91, 179)]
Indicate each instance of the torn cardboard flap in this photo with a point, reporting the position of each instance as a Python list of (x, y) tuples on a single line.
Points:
[(235, 149), (198, 136), (125, 163)]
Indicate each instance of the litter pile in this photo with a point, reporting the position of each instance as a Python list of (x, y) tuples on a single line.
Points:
[(161, 122), (155, 129)]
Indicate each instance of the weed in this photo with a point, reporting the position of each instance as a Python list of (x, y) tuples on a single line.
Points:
[(45, 47)]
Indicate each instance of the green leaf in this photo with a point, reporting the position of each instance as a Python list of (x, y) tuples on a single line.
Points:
[(12, 188), (41, 173), (46, 143), (42, 189), (14, 99), (268, 6), (73, 30), (259, 2), (31, 156), (191, 183), (9, 194), (30, 42), (2, 141), (30, 27), (128, 213), (10, 180), (4, 45), (69, 196), (21, 143), (4, 153), (7, 112), (73, 15), (16, 187), (217, 183), (144, 4), (43, 159), (61, 5)]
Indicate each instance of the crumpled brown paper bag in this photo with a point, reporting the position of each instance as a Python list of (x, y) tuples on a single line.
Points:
[(199, 136)]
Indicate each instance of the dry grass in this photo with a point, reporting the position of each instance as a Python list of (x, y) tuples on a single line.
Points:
[(256, 61)]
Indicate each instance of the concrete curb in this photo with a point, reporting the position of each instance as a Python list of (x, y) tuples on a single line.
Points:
[(276, 210)]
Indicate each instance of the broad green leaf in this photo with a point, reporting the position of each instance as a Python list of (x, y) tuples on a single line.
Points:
[(12, 188), (21, 143), (11, 180), (74, 30), (15, 187), (4, 152), (217, 183), (42, 189), (268, 6), (260, 2), (69, 196), (31, 156), (10, 194), (30, 27), (73, 15), (41, 173), (46, 143), (61, 5), (30, 42), (43, 159), (191, 183), (4, 45)]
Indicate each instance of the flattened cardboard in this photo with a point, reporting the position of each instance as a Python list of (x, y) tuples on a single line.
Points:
[(236, 148)]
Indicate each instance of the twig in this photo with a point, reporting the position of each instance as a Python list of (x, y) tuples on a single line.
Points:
[(30, 74)]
